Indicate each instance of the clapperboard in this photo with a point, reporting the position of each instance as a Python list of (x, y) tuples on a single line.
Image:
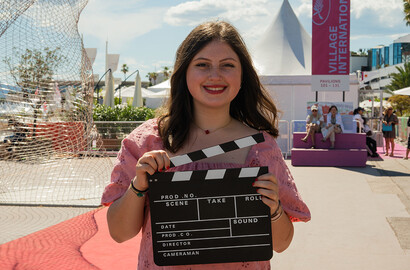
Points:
[(209, 216)]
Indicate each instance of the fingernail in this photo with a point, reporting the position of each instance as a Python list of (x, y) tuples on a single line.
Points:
[(160, 170), (256, 179), (167, 167), (253, 184)]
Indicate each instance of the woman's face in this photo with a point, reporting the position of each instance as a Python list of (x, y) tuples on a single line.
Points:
[(314, 113), (333, 111), (389, 111), (214, 76)]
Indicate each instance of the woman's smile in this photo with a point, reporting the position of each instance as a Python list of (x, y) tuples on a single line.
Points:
[(214, 89)]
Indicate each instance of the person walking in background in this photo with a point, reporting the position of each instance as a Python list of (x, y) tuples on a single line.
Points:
[(390, 120), (215, 97), (314, 122), (408, 140), (334, 125)]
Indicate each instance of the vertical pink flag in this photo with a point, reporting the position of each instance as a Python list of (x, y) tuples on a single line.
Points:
[(330, 45)]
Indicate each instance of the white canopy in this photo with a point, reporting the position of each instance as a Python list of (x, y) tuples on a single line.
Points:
[(165, 85), (128, 92), (403, 91)]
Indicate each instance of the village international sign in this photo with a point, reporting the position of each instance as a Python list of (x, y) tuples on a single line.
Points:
[(330, 45)]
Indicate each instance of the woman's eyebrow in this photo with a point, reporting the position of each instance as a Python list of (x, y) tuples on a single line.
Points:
[(206, 59)]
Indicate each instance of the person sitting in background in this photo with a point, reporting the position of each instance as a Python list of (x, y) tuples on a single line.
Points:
[(334, 125), (358, 118), (313, 123), (370, 142)]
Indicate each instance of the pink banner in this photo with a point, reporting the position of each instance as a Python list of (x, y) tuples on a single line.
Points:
[(330, 37)]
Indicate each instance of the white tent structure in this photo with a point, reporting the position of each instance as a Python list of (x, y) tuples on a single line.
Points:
[(283, 58), (165, 85), (286, 47), (403, 91), (154, 96)]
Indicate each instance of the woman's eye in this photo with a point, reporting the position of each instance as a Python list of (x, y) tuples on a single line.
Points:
[(229, 65), (201, 65)]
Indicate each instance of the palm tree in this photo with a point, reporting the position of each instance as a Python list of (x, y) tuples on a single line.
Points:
[(124, 70), (406, 7), (399, 80), (152, 76), (166, 72)]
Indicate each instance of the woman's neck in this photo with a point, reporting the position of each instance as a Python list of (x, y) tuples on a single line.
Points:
[(212, 120)]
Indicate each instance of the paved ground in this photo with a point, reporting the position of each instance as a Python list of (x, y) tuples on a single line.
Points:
[(360, 218)]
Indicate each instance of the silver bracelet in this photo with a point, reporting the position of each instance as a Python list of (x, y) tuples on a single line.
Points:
[(277, 217), (278, 213)]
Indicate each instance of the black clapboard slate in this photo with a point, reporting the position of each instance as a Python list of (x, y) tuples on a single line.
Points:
[(209, 216)]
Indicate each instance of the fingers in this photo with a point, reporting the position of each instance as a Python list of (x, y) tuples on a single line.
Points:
[(267, 186), (153, 161)]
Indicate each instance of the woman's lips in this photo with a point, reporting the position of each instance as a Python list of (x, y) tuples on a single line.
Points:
[(215, 89)]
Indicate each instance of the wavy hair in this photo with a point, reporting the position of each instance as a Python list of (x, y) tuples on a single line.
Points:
[(252, 105)]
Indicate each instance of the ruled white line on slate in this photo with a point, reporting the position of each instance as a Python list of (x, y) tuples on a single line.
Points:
[(212, 219), (210, 238), (245, 246)]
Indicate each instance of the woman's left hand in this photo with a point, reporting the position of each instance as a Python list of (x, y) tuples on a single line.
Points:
[(267, 185)]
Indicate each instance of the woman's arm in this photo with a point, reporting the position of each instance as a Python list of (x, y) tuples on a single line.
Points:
[(282, 228), (125, 216)]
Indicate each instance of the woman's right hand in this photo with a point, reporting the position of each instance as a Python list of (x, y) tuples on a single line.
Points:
[(150, 163)]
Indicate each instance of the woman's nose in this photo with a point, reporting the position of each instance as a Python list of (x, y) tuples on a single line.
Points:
[(214, 73)]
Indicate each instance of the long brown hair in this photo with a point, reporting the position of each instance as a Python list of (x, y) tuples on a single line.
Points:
[(252, 105)]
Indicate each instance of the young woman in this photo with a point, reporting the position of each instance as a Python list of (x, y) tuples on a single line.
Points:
[(216, 96), (314, 122), (390, 119), (333, 126)]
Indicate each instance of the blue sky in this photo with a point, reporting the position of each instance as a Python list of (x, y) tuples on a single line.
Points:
[(147, 33)]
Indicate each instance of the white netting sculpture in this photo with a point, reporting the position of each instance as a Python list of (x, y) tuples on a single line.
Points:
[(47, 154)]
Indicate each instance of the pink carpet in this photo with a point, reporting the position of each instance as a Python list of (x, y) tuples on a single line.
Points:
[(399, 152), (82, 243)]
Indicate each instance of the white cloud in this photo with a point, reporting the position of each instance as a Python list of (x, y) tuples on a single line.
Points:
[(194, 12), (120, 21), (386, 12)]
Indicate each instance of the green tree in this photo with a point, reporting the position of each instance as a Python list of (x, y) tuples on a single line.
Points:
[(35, 68), (124, 70), (33, 72), (152, 76), (401, 104), (406, 9), (166, 72), (399, 80)]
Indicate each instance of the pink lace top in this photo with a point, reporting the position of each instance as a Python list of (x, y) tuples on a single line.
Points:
[(146, 138)]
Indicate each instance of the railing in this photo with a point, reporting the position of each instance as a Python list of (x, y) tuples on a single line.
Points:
[(283, 140), (113, 132), (116, 129)]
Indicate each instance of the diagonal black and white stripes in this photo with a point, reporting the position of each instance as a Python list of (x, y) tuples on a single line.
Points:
[(220, 174), (217, 150)]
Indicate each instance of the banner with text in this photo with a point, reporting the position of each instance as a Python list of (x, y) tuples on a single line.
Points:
[(330, 45)]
